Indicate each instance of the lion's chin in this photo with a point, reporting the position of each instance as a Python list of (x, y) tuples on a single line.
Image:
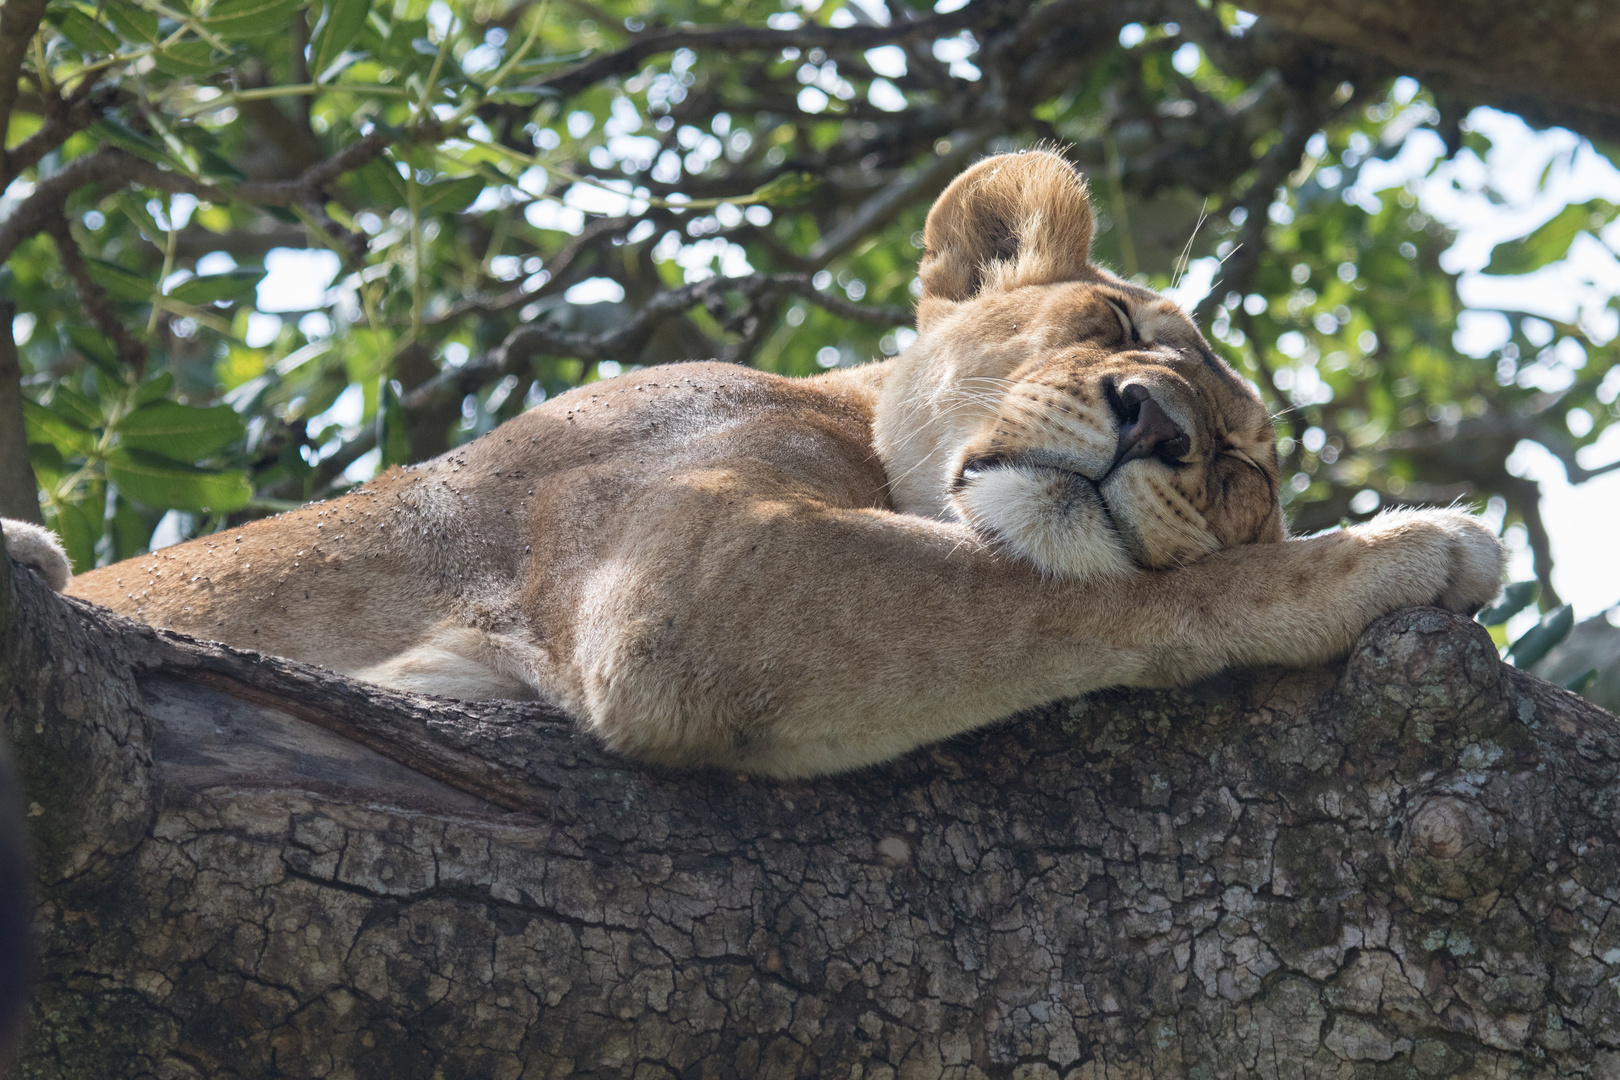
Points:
[(1055, 519)]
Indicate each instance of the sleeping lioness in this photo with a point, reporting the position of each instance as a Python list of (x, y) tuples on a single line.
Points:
[(1058, 487)]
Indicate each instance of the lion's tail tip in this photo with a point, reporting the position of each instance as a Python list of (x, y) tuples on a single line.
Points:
[(36, 546)]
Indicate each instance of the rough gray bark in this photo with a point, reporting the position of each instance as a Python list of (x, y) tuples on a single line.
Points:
[(1406, 866)]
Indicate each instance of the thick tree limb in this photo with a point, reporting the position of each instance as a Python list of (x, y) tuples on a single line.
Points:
[(31, 214), (1402, 866), (1559, 52)]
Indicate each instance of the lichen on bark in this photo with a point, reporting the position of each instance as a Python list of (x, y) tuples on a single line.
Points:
[(1404, 866)]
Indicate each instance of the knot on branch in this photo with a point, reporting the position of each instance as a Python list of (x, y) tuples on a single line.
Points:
[(1454, 847), (1423, 685)]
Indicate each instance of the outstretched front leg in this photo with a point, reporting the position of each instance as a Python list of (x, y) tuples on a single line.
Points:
[(813, 640)]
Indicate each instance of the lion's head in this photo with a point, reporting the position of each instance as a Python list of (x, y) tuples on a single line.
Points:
[(1077, 420)]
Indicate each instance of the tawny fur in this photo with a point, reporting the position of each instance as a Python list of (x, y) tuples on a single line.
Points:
[(36, 546), (708, 564)]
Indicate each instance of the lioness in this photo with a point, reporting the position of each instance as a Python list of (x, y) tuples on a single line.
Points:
[(1058, 487)]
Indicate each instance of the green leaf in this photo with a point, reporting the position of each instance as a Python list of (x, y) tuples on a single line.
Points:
[(187, 58), (379, 184), (129, 530), (86, 34), (48, 426), (216, 164), (93, 346), (110, 386), (538, 63), (68, 402), (48, 464), (157, 482), (242, 20), (233, 285), (137, 25), (121, 284), (1515, 598), (134, 207), (155, 388), (1480, 144), (182, 432), (1550, 242), (340, 26), (450, 196), (1581, 683), (72, 524), (111, 131), (391, 431), (1540, 639), (787, 190)]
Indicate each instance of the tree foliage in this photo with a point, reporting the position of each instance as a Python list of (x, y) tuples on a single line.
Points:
[(514, 198)]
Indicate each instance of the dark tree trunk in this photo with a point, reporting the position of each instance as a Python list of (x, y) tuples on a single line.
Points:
[(19, 489), (1405, 866)]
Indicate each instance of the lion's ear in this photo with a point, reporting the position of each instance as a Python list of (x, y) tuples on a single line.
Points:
[(1009, 221)]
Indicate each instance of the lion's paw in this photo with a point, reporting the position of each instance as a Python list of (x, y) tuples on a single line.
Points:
[(1478, 564), (1457, 559), (33, 545)]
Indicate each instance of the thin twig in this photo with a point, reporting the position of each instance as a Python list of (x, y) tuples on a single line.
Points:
[(887, 204), (556, 279), (97, 304), (110, 164)]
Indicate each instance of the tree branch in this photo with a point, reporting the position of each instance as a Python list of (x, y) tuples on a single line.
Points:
[(1558, 50), (109, 165), (1525, 497), (63, 119), (887, 204), (49, 195), (97, 304), (555, 281), (625, 343), (734, 39), (19, 488), (19, 20)]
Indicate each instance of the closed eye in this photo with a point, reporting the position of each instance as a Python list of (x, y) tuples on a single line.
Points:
[(1233, 451), (1126, 326)]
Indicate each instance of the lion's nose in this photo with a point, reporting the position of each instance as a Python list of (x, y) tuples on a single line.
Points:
[(1145, 429)]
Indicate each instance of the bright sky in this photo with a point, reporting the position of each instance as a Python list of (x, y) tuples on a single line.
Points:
[(1582, 520), (1535, 174)]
